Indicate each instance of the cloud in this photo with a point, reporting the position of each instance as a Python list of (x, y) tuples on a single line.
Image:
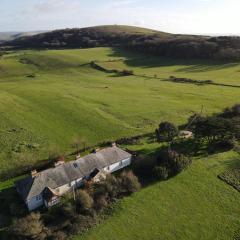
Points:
[(53, 6), (189, 16)]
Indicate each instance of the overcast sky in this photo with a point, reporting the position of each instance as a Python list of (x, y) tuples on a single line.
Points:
[(176, 16)]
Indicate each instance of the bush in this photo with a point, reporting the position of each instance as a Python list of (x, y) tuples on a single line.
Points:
[(129, 182), (160, 172), (29, 227), (100, 202), (59, 235), (82, 223), (180, 163), (84, 200), (111, 186), (175, 162), (67, 210), (126, 72)]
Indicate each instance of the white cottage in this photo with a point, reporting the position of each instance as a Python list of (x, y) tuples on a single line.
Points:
[(45, 188)]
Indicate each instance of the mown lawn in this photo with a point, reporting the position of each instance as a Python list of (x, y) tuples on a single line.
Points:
[(47, 98), (193, 205)]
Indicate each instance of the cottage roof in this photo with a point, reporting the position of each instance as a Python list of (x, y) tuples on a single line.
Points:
[(64, 174)]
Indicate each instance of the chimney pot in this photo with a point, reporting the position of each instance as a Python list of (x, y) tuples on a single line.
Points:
[(58, 163), (34, 173)]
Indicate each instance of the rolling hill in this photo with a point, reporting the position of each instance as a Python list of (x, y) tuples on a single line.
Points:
[(136, 39), (49, 96)]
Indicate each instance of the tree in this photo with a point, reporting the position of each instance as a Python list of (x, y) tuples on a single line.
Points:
[(166, 132)]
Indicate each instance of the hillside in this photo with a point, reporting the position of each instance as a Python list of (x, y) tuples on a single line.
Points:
[(136, 39), (50, 97)]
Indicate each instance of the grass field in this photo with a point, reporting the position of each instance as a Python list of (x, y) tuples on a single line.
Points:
[(193, 205), (67, 98), (47, 98)]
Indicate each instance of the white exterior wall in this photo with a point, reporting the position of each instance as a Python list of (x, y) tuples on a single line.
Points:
[(35, 203), (77, 183), (119, 165)]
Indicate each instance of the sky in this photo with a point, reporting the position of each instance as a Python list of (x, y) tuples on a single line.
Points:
[(220, 17)]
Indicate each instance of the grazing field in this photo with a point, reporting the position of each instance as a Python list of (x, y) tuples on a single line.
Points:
[(48, 98), (193, 205)]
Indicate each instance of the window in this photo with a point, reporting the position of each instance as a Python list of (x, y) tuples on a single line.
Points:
[(38, 198)]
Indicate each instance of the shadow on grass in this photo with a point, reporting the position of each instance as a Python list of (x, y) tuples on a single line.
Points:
[(190, 65), (146, 160), (11, 206)]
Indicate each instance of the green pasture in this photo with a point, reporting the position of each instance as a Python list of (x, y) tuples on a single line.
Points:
[(48, 98)]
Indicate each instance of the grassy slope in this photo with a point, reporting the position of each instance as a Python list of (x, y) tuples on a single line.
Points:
[(193, 205), (125, 29), (226, 73), (68, 98)]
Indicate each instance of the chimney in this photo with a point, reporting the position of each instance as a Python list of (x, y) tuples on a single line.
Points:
[(58, 163), (114, 144), (34, 173)]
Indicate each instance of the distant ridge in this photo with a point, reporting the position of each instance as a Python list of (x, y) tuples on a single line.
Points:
[(8, 36), (135, 39)]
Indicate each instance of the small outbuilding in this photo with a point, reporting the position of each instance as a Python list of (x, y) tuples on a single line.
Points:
[(185, 134)]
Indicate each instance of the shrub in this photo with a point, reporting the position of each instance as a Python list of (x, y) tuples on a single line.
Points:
[(29, 227), (100, 202), (84, 200), (82, 223), (175, 162), (126, 72), (160, 172), (129, 182), (59, 235), (111, 186), (67, 209)]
